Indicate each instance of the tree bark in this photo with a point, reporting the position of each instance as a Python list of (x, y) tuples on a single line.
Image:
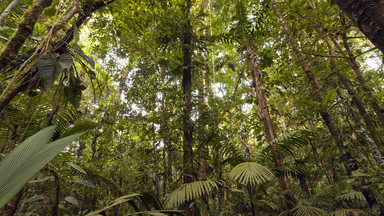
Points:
[(359, 75), (8, 10), (334, 130), (121, 87), (266, 117), (187, 94), (24, 31), (368, 15), (355, 98)]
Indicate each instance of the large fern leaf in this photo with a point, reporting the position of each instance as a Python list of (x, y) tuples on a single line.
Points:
[(251, 173), (190, 191)]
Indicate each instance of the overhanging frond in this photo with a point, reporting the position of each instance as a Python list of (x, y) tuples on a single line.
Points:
[(190, 191), (304, 210), (349, 212), (251, 173)]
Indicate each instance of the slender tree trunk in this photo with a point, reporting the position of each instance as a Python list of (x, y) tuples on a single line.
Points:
[(187, 92), (369, 17), (201, 123), (266, 117), (334, 130), (121, 86), (24, 31), (8, 10), (359, 75), (355, 98)]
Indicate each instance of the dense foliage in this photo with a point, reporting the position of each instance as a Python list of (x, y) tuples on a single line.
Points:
[(206, 107)]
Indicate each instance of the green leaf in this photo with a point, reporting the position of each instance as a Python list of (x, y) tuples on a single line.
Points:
[(65, 61), (80, 126), (115, 202), (19, 166), (331, 95), (77, 167), (250, 173), (46, 66), (190, 191), (88, 59), (83, 182), (72, 200)]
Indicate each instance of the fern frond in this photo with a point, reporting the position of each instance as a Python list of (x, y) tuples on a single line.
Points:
[(349, 212), (189, 191), (251, 173)]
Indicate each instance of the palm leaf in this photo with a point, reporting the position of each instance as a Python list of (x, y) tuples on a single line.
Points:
[(115, 202), (349, 212), (354, 195), (287, 142), (19, 166), (190, 191), (304, 210), (250, 173)]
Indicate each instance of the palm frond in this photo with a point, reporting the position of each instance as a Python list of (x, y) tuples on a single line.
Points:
[(354, 195), (290, 140), (304, 210), (349, 212), (190, 191), (251, 173)]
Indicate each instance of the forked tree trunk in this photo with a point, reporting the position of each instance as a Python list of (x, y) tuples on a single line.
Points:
[(266, 117), (8, 10), (334, 130), (24, 31), (369, 17)]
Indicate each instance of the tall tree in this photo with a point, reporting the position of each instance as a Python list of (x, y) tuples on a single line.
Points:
[(368, 16)]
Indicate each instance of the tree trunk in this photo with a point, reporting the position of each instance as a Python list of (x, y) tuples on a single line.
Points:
[(355, 98), (121, 86), (368, 15), (201, 122), (359, 75), (24, 31), (334, 130), (266, 117), (187, 93), (8, 10)]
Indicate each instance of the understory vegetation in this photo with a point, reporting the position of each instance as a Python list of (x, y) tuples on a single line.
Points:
[(191, 107)]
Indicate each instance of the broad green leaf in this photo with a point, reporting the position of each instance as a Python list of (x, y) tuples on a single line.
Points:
[(65, 61), (18, 167), (46, 66)]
